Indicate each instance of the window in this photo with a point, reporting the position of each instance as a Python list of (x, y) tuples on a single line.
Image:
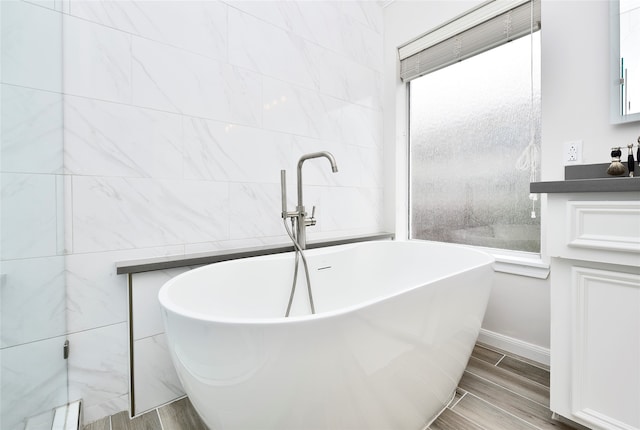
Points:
[(474, 134)]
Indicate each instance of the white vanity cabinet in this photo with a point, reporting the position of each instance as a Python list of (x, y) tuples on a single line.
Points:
[(594, 245)]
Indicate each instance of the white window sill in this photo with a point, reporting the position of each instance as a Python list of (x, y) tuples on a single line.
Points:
[(520, 263)]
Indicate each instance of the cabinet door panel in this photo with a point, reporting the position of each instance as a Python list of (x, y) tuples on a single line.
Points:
[(606, 347)]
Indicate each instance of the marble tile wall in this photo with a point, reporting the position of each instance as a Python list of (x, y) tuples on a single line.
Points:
[(178, 117), (155, 379)]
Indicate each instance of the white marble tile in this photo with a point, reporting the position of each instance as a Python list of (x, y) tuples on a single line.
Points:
[(227, 152), (330, 118), (147, 317), (96, 295), (196, 26), (255, 210), (32, 300), (119, 213), (269, 50), (337, 25), (28, 215), (285, 15), (339, 76), (361, 126), (357, 209), (120, 15), (305, 19), (363, 45), (363, 85), (62, 6), (174, 80), (296, 110), (202, 211), (329, 71), (325, 24), (31, 130), (372, 172), (43, 421), (328, 25), (50, 4), (237, 243), (31, 46), (99, 365), (156, 381), (94, 413), (34, 379), (365, 12), (97, 61), (110, 139)]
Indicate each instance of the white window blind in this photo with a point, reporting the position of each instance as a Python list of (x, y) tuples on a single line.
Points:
[(490, 25)]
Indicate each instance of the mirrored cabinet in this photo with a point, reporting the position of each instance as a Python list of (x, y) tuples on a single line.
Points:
[(624, 60)]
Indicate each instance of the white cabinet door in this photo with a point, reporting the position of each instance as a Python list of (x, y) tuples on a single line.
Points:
[(597, 357), (606, 346)]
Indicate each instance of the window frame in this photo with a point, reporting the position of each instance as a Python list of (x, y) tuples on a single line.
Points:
[(529, 264)]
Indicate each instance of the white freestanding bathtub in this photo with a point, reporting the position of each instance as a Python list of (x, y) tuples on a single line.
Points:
[(394, 327)]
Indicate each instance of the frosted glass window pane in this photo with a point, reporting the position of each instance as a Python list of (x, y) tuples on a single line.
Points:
[(469, 125)]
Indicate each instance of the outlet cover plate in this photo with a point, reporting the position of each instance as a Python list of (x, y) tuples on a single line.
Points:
[(572, 152)]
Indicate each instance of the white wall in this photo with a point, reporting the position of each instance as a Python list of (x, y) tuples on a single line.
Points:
[(575, 85), (178, 119)]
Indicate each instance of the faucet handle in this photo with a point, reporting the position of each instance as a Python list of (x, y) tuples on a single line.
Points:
[(312, 219)]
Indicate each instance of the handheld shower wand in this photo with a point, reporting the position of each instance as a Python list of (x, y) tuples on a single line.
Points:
[(283, 192)]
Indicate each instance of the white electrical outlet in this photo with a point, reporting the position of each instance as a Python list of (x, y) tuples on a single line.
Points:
[(572, 153)]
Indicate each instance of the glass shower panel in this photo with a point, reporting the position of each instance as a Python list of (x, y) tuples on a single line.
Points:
[(33, 374), (473, 128)]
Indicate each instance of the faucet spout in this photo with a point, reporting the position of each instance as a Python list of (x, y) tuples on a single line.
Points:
[(325, 154), (302, 220)]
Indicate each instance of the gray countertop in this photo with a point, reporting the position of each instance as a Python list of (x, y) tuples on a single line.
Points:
[(587, 178), (595, 185), (173, 261)]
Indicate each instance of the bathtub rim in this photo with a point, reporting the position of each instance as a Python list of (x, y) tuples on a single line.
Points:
[(169, 306)]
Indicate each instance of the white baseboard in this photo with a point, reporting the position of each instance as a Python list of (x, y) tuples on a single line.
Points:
[(515, 346)]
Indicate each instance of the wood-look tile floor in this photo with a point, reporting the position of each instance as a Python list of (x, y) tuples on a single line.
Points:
[(500, 392), (497, 392)]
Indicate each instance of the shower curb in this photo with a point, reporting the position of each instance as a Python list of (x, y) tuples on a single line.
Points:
[(68, 417)]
